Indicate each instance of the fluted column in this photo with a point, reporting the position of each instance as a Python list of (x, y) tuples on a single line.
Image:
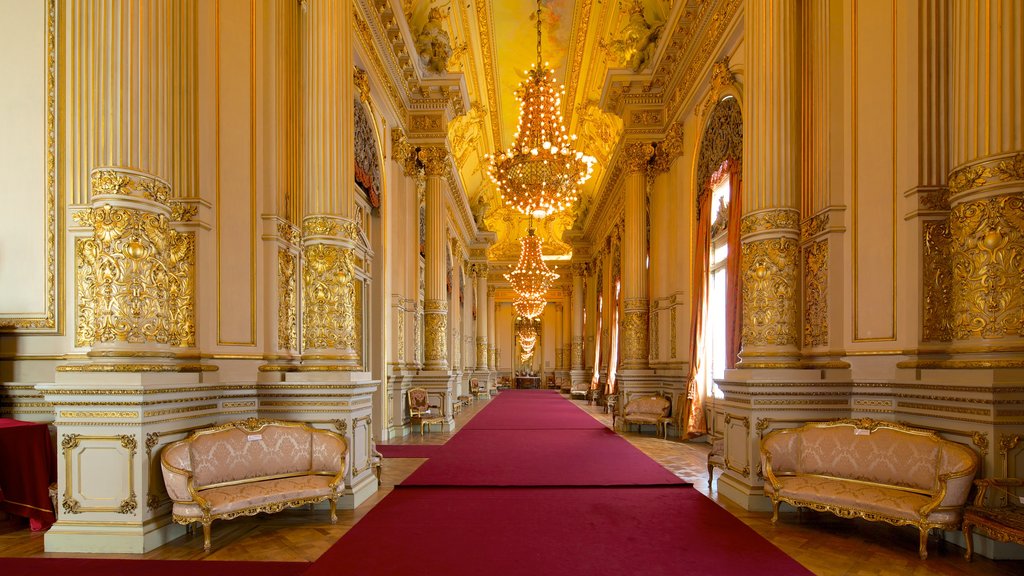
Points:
[(579, 270), (492, 318), (134, 275), (636, 303), (481, 270), (435, 306), (771, 217), (986, 183), (328, 231)]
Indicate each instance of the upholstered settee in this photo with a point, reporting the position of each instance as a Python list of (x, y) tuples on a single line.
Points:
[(252, 466), (646, 409), (880, 471)]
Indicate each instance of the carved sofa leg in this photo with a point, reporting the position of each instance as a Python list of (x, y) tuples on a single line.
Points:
[(334, 511), (922, 550), (206, 536), (969, 539), (775, 511)]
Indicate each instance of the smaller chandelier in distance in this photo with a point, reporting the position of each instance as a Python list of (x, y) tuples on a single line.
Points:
[(541, 173), (531, 277)]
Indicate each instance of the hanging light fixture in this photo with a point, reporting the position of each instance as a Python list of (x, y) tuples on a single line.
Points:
[(531, 277), (541, 173)]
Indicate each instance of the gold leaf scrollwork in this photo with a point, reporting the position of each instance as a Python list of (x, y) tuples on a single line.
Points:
[(769, 283), (436, 325), (116, 182), (577, 352), (634, 335), (481, 351), (286, 309), (181, 212), (816, 294), (329, 303), (400, 334), (988, 268), (318, 226), (778, 219), (813, 226), (653, 340), (937, 282)]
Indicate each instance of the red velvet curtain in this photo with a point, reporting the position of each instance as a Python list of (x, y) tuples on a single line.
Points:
[(734, 295), (696, 424)]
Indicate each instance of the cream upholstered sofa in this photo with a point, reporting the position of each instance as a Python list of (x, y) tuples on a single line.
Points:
[(251, 466), (871, 469)]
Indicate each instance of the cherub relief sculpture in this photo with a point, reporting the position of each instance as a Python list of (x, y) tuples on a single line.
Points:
[(433, 44), (636, 42)]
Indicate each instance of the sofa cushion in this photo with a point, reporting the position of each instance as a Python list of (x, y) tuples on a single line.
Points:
[(227, 499), (884, 456), (235, 454), (652, 407)]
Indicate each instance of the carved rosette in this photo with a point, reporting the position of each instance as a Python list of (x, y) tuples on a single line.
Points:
[(634, 332), (435, 333), (987, 249), (816, 294), (287, 326), (938, 282), (328, 304), (770, 280), (481, 352), (577, 352)]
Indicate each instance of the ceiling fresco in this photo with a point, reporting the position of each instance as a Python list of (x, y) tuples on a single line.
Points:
[(493, 43)]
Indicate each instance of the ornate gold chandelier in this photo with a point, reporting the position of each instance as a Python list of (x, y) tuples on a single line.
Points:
[(541, 173), (531, 278)]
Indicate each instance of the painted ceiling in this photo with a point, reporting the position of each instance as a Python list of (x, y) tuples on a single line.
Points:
[(493, 43)]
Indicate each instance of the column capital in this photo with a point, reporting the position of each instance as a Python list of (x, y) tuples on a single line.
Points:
[(668, 149), (479, 269), (582, 269), (434, 159), (635, 155)]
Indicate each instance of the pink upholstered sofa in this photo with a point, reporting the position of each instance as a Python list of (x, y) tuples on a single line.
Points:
[(871, 469), (252, 466)]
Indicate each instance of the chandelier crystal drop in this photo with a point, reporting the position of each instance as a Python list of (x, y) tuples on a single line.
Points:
[(531, 277), (541, 173)]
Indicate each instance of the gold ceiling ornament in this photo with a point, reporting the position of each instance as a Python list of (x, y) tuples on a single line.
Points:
[(541, 173), (531, 277)]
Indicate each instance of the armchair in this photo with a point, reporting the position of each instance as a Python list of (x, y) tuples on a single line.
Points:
[(1002, 522), (421, 411)]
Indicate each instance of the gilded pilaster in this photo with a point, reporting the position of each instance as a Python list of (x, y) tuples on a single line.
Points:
[(480, 272), (986, 183), (770, 229), (435, 163), (579, 271), (492, 362), (635, 300)]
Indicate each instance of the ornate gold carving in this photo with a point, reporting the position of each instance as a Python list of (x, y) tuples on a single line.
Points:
[(481, 352), (769, 288), (765, 220), (646, 117), (1007, 442), (182, 212), (400, 334), (977, 175), (362, 83), (598, 130), (108, 414), (465, 133), (426, 123), (434, 160), (813, 226), (436, 330), (653, 341), (135, 280), (937, 199), (816, 294), (722, 140), (636, 155), (287, 326), (118, 182), (634, 335), (329, 298), (980, 439), (988, 271), (330, 226), (666, 151), (937, 276), (672, 333), (721, 75)]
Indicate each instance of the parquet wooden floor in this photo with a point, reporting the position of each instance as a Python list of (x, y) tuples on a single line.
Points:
[(827, 545)]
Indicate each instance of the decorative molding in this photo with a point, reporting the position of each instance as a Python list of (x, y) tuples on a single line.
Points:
[(287, 326), (978, 175), (769, 290), (937, 282), (816, 294), (770, 220)]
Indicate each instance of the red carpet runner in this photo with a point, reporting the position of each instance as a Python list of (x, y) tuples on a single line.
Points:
[(459, 514)]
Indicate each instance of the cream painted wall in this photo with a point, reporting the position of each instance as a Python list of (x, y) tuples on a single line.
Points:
[(23, 181)]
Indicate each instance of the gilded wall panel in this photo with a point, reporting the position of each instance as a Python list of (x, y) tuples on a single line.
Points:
[(769, 287), (816, 294), (287, 328), (988, 268), (328, 306), (937, 278)]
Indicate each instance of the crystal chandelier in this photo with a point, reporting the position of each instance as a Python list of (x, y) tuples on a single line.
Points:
[(541, 173), (531, 278)]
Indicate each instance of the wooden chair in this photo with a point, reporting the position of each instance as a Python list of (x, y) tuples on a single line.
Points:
[(421, 411), (476, 389), (1002, 520)]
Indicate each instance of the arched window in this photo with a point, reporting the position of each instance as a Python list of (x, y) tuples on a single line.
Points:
[(718, 286)]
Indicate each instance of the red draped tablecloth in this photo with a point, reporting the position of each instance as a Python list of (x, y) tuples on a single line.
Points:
[(28, 465)]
